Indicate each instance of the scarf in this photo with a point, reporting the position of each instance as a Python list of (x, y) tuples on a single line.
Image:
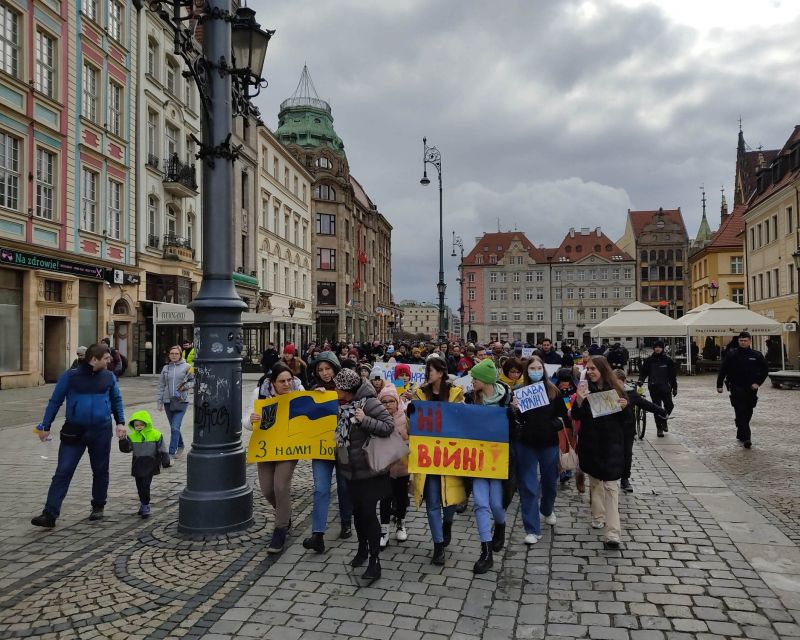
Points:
[(347, 418)]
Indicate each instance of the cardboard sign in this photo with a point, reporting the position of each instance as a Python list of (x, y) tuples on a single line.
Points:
[(295, 426), (604, 403), (385, 370), (465, 382), (458, 440), (527, 352), (531, 396), (551, 369)]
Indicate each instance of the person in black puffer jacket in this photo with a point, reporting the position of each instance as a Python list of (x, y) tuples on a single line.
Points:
[(536, 448), (362, 416), (601, 447)]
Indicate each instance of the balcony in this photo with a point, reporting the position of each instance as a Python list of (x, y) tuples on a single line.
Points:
[(178, 248), (179, 178)]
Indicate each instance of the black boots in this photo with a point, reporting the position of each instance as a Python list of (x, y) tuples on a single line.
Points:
[(316, 542), (626, 486), (486, 561), (373, 571), (499, 537), (447, 528), (438, 553), (45, 519), (361, 555)]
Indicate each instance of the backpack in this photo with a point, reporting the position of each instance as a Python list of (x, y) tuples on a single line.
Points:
[(117, 359)]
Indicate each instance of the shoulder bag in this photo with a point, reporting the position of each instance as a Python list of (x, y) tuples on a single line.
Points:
[(383, 452), (567, 456)]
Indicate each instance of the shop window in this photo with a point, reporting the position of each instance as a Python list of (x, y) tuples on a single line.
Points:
[(53, 291), (10, 320), (87, 313)]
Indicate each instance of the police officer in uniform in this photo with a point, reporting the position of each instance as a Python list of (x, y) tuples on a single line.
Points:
[(743, 372), (659, 371)]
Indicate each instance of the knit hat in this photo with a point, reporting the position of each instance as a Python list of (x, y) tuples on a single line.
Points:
[(390, 350), (353, 352), (347, 380), (81, 350), (400, 369), (289, 348), (416, 352), (484, 371), (390, 391), (658, 343), (330, 358), (564, 375)]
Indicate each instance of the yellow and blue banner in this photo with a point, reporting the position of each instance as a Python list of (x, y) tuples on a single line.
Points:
[(458, 440), (294, 426)]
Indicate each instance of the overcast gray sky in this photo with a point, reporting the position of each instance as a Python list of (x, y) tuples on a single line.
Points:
[(548, 113)]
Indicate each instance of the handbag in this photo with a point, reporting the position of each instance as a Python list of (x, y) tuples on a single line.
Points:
[(383, 452), (176, 404), (567, 456)]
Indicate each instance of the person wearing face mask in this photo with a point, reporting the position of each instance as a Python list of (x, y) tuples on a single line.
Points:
[(536, 448)]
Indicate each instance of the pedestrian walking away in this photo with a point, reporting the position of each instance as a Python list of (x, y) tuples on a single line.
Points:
[(743, 371), (149, 454), (659, 372), (92, 396), (173, 396), (396, 504)]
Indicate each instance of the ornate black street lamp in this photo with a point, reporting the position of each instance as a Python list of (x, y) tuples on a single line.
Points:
[(458, 242), (217, 498), (432, 156)]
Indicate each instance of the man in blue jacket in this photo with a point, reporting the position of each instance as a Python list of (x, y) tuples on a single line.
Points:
[(92, 397)]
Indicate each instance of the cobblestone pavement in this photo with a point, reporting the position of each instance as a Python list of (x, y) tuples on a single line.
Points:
[(682, 573)]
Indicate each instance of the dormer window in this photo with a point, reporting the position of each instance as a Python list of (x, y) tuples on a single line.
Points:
[(493, 259), (323, 163)]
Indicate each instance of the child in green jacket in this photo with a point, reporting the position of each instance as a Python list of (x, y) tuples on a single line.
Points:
[(149, 455)]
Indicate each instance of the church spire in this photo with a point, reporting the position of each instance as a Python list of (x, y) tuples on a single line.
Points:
[(723, 208), (704, 232)]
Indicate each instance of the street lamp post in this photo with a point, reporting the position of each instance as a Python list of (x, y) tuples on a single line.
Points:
[(796, 258), (713, 291), (432, 156), (217, 498), (458, 242)]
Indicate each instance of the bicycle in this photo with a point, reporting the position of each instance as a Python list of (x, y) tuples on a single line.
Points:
[(640, 414)]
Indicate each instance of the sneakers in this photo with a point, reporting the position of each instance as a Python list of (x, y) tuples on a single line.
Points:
[(179, 452), (384, 536), (598, 524), (96, 514), (316, 542), (45, 519), (401, 534), (551, 519), (278, 541), (626, 486), (532, 538), (144, 511)]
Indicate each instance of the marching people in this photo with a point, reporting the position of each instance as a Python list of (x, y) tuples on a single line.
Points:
[(549, 354), (361, 417), (92, 397), (173, 396), (323, 372), (395, 504), (269, 357), (296, 365), (150, 453), (536, 448), (441, 494), (565, 383), (511, 375), (487, 493), (743, 371), (601, 447), (466, 362), (659, 371), (81, 354)]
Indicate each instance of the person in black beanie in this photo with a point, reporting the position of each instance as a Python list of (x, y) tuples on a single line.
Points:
[(659, 372)]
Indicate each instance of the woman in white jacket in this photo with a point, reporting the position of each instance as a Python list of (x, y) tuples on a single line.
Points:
[(173, 395)]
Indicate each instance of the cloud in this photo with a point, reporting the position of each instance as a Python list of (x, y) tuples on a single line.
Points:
[(549, 115)]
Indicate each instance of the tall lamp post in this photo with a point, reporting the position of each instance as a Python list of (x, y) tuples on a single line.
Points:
[(458, 242), (796, 258), (217, 498), (432, 156)]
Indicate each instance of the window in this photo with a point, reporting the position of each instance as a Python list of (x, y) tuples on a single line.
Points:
[(593, 274), (615, 273), (470, 294), (557, 276), (326, 259), (581, 274), (540, 294), (171, 135), (493, 276), (53, 291), (45, 169), (286, 177), (503, 316), (115, 20), (323, 163), (629, 292), (305, 287), (9, 172), (615, 292), (540, 276), (789, 220), (9, 41), (503, 294), (152, 58), (592, 293), (492, 259), (89, 104), (604, 313), (529, 316), (557, 293), (737, 264), (45, 64), (581, 293), (752, 237), (516, 277), (493, 316), (540, 316), (478, 259), (152, 221), (604, 274), (114, 209), (305, 235), (492, 294), (517, 316), (502, 277), (286, 226), (737, 296), (775, 227), (766, 232), (592, 313), (529, 276), (152, 138), (326, 224), (570, 293), (470, 277), (172, 77), (559, 315), (570, 314), (628, 273), (286, 280), (296, 233), (529, 294), (515, 295), (115, 109), (88, 200), (776, 276), (89, 7), (324, 192)]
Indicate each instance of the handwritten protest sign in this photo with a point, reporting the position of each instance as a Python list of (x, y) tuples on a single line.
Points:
[(527, 352), (604, 403), (385, 370), (531, 396), (458, 440), (294, 426), (551, 369), (465, 382)]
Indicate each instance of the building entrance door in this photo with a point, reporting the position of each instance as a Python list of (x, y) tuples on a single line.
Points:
[(55, 347)]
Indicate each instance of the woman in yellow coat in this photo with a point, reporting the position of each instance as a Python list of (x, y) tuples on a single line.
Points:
[(441, 494)]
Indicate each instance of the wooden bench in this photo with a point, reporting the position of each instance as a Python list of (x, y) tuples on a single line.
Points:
[(785, 379)]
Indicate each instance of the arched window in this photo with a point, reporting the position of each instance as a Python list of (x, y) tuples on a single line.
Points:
[(678, 254), (669, 254), (324, 192), (153, 222), (661, 254), (652, 255), (121, 308), (172, 222), (597, 248), (644, 256), (190, 230)]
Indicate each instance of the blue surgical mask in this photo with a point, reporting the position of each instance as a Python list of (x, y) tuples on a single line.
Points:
[(536, 374)]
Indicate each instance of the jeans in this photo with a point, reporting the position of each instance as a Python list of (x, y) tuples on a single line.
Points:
[(432, 494), (175, 418), (98, 441), (661, 395), (536, 495), (488, 496), (322, 470)]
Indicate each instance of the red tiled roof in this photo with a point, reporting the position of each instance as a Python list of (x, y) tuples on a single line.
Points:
[(498, 243), (640, 219), (579, 244), (790, 175), (728, 234)]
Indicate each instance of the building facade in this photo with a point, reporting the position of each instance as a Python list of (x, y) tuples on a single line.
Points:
[(67, 229), (422, 318), (660, 245), (351, 239)]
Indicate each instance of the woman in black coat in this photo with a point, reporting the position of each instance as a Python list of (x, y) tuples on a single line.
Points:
[(601, 447)]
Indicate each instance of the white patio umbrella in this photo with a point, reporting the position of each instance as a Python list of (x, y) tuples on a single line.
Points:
[(639, 320)]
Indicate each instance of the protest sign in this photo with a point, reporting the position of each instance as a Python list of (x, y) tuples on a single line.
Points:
[(465, 382), (385, 370), (531, 396), (604, 403), (458, 440), (551, 369), (527, 352), (294, 426)]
